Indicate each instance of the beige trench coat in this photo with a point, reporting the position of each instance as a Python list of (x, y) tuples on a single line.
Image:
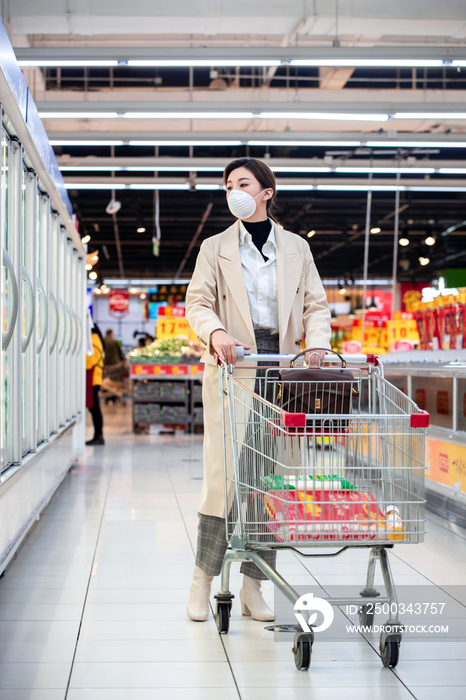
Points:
[(217, 298)]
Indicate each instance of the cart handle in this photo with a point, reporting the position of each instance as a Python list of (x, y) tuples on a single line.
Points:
[(362, 359)]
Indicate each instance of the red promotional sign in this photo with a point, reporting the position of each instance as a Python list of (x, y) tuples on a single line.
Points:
[(118, 302)]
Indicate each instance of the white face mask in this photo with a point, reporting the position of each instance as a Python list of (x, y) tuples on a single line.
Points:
[(242, 204)]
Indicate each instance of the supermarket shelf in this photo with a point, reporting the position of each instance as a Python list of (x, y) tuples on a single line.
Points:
[(157, 376)]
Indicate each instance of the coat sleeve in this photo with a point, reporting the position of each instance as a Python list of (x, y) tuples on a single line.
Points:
[(97, 356), (316, 316), (201, 296)]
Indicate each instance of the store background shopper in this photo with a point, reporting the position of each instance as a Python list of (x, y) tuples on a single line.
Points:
[(254, 285), (112, 349), (94, 373)]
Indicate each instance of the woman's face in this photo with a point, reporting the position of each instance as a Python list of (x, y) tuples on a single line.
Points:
[(243, 179)]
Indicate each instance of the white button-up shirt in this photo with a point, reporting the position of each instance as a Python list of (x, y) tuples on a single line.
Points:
[(260, 278)]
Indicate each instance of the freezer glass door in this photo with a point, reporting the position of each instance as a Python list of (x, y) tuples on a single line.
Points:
[(9, 299), (28, 308), (44, 324)]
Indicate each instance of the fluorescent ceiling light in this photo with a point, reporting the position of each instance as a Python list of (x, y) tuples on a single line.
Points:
[(78, 115), (325, 116), (189, 115), (59, 142), (203, 63), (93, 168), (371, 62), (460, 64), (67, 64), (304, 143), (93, 186), (387, 171), (295, 187), (415, 144), (299, 169), (436, 189), (209, 187), (359, 188), (176, 169), (429, 115), (164, 186), (185, 143), (386, 188), (452, 171)]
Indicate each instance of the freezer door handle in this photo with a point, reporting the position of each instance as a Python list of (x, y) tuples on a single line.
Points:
[(7, 336), (27, 339), (62, 345), (57, 315), (41, 341)]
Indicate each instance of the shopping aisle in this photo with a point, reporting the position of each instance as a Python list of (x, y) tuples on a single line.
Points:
[(93, 608)]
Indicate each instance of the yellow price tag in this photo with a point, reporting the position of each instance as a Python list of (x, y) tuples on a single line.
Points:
[(171, 326)]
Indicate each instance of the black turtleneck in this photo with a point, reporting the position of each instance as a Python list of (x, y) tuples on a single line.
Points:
[(259, 231)]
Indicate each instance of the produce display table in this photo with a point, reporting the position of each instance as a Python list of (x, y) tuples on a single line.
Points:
[(167, 394)]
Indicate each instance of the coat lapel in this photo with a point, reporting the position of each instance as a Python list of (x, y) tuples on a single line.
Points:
[(230, 264), (289, 267)]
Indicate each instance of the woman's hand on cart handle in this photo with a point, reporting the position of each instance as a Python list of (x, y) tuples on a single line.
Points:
[(313, 358), (224, 346)]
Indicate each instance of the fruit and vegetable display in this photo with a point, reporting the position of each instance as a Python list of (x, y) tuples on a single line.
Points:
[(168, 351)]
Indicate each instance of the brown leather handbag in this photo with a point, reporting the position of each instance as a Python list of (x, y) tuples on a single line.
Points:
[(313, 390)]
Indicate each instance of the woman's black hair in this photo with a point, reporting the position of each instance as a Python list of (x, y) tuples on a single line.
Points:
[(263, 175), (95, 329)]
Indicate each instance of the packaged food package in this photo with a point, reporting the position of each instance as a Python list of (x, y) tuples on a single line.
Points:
[(432, 324), (324, 482), (445, 328), (420, 318), (461, 319), (305, 516), (394, 524)]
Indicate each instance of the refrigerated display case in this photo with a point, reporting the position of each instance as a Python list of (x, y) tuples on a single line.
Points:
[(42, 300), (436, 381)]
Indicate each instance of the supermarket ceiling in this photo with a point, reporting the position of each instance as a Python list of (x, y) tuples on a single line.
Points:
[(150, 100)]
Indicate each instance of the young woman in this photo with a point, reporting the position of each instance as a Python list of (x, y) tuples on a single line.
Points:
[(254, 285)]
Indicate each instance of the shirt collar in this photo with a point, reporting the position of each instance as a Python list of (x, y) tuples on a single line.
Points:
[(244, 234)]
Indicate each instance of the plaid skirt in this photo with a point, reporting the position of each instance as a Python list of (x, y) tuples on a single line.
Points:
[(211, 538)]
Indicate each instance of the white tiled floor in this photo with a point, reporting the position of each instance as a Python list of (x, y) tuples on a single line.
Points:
[(93, 608)]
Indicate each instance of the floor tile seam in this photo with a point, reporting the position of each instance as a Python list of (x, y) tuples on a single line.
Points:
[(428, 579), (447, 529), (192, 548), (369, 643), (104, 503)]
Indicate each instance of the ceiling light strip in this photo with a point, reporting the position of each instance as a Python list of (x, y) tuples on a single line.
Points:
[(244, 62)]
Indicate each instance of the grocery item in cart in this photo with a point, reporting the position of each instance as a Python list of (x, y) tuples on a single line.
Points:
[(325, 482), (299, 515), (394, 523)]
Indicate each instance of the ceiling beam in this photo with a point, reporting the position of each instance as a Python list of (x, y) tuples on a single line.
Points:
[(127, 181), (335, 138), (363, 102), (283, 53), (191, 164)]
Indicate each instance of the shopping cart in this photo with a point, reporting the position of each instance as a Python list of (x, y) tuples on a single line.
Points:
[(114, 383), (297, 481)]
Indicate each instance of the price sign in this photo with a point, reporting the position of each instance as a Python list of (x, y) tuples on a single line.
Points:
[(171, 326)]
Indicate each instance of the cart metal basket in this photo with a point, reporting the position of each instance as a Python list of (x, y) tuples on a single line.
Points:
[(295, 480)]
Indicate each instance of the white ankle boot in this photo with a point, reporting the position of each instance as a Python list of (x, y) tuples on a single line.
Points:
[(252, 602), (198, 604)]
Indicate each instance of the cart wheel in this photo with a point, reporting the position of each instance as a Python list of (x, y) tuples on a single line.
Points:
[(391, 652), (222, 617), (302, 651), (366, 616)]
